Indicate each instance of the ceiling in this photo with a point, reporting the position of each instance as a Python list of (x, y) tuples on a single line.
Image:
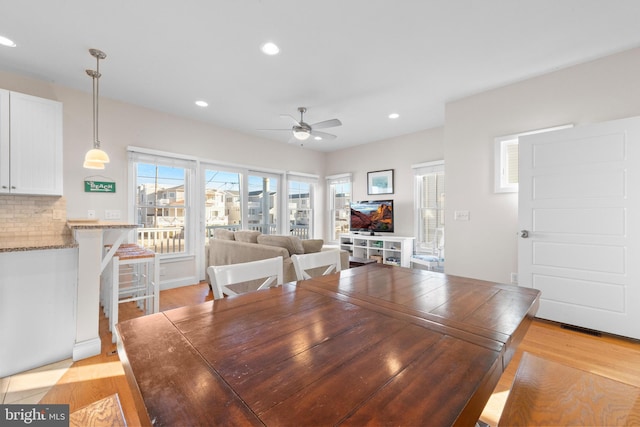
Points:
[(355, 60)]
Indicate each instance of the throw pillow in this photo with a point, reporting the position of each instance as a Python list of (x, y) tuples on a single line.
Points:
[(247, 236), (312, 245), (293, 244), (222, 234)]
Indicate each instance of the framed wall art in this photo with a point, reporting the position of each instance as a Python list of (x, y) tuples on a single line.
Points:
[(380, 182)]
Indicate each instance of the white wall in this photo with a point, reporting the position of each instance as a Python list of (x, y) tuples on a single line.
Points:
[(122, 125), (486, 246), (397, 154)]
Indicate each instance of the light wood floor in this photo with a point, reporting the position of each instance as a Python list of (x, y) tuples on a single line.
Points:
[(97, 377)]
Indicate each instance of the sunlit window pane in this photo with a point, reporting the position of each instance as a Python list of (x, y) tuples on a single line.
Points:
[(223, 201), (161, 207)]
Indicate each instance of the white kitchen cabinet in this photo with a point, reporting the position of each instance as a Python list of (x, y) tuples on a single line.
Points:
[(30, 144), (4, 142), (37, 308)]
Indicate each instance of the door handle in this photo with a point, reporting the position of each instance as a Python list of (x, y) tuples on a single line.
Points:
[(524, 234)]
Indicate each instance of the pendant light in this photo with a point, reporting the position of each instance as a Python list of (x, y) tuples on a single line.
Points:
[(95, 158)]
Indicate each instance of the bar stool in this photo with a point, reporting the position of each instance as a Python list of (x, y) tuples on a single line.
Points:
[(105, 278), (134, 275)]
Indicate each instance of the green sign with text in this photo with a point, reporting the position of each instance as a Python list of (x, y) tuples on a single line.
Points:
[(99, 187)]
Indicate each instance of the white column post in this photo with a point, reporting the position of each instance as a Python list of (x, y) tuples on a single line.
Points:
[(88, 304)]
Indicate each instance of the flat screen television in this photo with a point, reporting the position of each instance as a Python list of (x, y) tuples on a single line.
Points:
[(372, 216)]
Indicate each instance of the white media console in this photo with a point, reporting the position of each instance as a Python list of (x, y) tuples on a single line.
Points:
[(394, 250)]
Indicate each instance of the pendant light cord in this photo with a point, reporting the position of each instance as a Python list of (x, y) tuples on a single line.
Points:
[(96, 158), (96, 91), (95, 76)]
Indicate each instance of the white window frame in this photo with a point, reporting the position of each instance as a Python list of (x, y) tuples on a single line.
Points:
[(190, 165), (242, 174), (280, 201), (312, 180), (504, 161), (333, 180), (420, 170)]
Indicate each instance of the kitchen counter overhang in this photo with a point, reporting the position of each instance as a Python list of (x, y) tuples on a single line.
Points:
[(89, 234)]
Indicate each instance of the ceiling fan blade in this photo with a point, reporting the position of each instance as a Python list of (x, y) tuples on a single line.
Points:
[(327, 124), (288, 130), (288, 116), (323, 135)]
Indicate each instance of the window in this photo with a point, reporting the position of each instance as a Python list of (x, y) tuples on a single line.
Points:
[(162, 206), (506, 159), (178, 213), (301, 191), (429, 199), (222, 200), (339, 201), (263, 203)]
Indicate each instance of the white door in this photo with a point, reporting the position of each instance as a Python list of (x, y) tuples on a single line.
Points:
[(579, 202)]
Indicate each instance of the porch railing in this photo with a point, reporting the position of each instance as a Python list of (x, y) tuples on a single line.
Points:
[(162, 240), (165, 240), (301, 231)]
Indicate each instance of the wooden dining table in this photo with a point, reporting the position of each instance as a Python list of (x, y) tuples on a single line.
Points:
[(376, 345)]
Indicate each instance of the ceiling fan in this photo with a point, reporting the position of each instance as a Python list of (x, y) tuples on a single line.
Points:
[(302, 131)]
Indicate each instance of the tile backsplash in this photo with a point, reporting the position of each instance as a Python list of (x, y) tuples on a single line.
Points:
[(33, 216)]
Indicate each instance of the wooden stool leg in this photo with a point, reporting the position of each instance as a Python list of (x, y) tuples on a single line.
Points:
[(156, 284), (115, 287)]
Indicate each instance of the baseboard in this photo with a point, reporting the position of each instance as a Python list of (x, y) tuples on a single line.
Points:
[(178, 283), (85, 349)]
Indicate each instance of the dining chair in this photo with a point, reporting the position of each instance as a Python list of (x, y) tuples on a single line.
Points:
[(305, 262), (222, 276)]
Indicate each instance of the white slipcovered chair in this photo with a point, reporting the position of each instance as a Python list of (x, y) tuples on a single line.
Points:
[(222, 276)]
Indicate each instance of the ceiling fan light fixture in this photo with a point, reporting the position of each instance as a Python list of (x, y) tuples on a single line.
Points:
[(301, 134), (302, 131)]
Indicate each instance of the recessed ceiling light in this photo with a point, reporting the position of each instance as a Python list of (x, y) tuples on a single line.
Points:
[(270, 48), (7, 42), (394, 115), (317, 138), (202, 103)]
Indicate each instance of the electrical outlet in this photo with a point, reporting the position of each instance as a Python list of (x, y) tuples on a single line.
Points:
[(112, 214), (461, 215), (91, 214)]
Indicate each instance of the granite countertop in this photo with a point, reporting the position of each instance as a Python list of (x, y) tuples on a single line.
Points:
[(20, 243), (32, 243), (89, 224)]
